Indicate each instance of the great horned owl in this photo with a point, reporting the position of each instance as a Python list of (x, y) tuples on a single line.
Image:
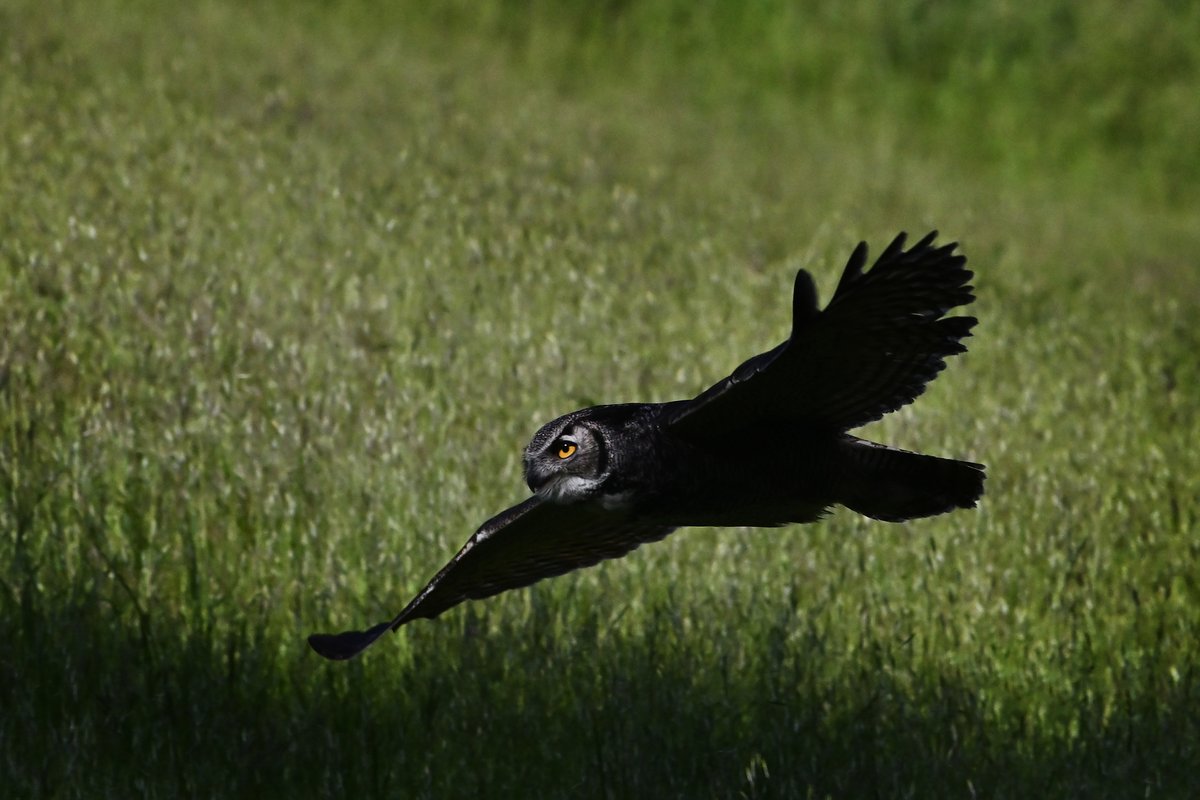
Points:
[(766, 446)]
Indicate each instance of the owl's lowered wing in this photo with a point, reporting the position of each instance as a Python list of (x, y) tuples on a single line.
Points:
[(880, 340), (522, 545)]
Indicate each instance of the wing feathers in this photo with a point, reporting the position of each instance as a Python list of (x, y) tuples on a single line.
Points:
[(525, 544), (854, 267), (881, 339), (804, 301)]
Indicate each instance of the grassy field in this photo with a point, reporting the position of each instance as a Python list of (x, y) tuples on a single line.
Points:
[(285, 290)]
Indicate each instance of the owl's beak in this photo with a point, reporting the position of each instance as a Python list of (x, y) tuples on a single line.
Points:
[(536, 475)]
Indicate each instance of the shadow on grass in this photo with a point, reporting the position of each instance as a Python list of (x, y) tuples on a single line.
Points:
[(92, 708)]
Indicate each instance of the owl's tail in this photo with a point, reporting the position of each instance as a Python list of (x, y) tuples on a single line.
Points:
[(895, 485)]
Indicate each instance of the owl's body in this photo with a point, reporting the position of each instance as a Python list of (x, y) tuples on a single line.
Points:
[(765, 474), (657, 475), (767, 446)]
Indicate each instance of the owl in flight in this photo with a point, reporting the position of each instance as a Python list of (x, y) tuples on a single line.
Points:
[(766, 446)]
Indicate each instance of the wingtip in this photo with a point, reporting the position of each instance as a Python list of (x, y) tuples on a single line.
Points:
[(896, 246), (853, 269), (804, 300), (346, 645)]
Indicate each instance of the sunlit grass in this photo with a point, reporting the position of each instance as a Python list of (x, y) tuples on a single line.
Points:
[(284, 295)]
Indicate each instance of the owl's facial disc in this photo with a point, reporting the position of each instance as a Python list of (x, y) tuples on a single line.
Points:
[(564, 462)]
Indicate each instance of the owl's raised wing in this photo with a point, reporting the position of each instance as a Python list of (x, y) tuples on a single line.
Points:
[(528, 542), (880, 340)]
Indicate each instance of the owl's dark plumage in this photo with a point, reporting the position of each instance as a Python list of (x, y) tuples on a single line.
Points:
[(766, 446)]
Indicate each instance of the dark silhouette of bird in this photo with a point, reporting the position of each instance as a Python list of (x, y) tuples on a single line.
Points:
[(766, 446)]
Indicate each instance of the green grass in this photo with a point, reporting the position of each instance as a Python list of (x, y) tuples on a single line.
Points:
[(285, 291)]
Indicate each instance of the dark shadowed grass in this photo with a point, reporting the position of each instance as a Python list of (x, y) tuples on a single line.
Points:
[(284, 293), (761, 700)]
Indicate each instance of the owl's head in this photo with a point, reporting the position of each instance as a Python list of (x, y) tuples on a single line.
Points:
[(567, 461)]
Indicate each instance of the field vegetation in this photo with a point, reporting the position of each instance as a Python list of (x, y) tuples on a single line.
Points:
[(286, 287)]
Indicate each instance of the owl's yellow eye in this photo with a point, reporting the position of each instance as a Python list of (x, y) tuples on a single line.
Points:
[(566, 450)]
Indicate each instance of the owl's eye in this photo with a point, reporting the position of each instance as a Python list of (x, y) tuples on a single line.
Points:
[(566, 449)]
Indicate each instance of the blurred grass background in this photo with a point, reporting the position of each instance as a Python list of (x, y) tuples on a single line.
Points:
[(285, 289)]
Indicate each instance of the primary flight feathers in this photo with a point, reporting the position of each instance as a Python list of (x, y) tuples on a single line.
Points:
[(607, 479)]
